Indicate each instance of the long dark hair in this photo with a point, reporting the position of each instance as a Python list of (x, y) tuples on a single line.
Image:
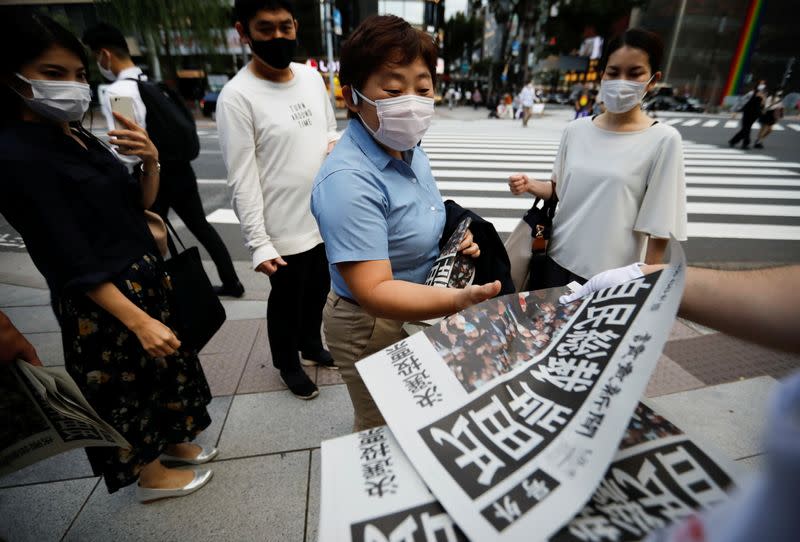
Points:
[(23, 38)]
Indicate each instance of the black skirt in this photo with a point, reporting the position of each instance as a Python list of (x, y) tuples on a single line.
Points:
[(152, 402), (546, 273), (767, 118)]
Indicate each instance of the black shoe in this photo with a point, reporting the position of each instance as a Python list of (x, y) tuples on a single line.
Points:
[(758, 146), (731, 144), (299, 384), (322, 358), (745, 147), (231, 290)]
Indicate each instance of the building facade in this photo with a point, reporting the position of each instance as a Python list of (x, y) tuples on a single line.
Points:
[(716, 48)]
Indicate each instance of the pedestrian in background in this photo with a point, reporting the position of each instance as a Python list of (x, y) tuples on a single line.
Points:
[(526, 98), (477, 98), (584, 104), (276, 125), (773, 112), (378, 206), (178, 189), (753, 105), (81, 215), (618, 177)]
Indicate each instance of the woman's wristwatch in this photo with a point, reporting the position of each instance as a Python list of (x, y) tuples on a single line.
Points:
[(148, 173)]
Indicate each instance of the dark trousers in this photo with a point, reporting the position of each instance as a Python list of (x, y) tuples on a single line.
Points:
[(178, 191), (546, 273), (743, 135), (294, 310)]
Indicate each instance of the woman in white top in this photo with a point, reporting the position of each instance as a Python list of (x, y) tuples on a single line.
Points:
[(618, 176)]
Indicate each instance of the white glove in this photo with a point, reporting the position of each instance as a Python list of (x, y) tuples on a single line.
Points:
[(603, 280)]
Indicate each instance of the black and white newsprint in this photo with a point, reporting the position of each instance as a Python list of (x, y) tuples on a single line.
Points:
[(657, 477), (452, 269), (519, 450), (44, 414)]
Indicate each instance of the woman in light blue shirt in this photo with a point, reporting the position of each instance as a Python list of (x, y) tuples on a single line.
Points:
[(377, 205)]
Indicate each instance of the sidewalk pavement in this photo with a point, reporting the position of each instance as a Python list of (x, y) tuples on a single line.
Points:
[(266, 484)]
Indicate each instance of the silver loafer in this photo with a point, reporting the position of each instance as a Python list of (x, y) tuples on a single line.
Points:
[(205, 455), (147, 494)]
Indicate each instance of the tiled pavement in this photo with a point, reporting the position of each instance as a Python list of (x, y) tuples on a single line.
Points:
[(266, 482)]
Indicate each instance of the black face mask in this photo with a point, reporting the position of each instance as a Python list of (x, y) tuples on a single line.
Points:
[(277, 52)]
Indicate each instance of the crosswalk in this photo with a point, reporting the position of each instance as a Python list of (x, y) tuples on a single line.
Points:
[(731, 194), (699, 122)]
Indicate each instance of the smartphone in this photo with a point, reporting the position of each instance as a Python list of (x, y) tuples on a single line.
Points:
[(124, 106)]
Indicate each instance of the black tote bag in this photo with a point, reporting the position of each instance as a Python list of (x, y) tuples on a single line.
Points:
[(540, 219), (199, 312)]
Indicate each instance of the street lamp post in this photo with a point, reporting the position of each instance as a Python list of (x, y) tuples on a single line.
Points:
[(674, 44), (329, 46)]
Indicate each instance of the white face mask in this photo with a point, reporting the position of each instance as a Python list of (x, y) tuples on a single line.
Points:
[(61, 101), (621, 95), (106, 72), (403, 120)]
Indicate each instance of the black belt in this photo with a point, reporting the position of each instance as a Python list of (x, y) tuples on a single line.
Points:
[(351, 301)]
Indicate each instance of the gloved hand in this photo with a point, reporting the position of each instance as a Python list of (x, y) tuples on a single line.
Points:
[(603, 280)]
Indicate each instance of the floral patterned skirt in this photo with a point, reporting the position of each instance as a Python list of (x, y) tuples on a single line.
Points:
[(152, 402)]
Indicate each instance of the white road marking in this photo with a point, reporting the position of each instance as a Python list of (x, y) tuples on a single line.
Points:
[(502, 171), (772, 232), (738, 230)]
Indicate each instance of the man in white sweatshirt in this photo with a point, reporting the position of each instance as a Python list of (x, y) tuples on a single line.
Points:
[(276, 125)]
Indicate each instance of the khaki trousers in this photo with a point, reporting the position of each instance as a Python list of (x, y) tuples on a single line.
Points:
[(527, 113), (351, 335)]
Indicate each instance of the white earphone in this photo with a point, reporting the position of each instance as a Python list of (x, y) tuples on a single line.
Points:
[(354, 96)]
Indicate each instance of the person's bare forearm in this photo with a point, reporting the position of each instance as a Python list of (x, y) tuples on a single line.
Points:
[(108, 296), (149, 181), (401, 300), (762, 306), (655, 250), (541, 189)]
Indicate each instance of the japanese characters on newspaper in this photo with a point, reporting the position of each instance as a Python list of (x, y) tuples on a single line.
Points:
[(452, 269), (46, 415), (522, 417), (371, 493)]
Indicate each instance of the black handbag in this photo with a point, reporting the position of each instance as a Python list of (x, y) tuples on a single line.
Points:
[(540, 218), (198, 311)]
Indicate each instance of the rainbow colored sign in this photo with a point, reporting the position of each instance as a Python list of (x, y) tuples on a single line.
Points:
[(744, 49)]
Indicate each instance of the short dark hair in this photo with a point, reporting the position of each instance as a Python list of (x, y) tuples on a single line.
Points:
[(384, 39), (639, 38), (245, 10), (105, 36)]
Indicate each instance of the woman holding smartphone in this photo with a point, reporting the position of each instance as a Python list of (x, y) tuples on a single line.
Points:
[(618, 176), (81, 215)]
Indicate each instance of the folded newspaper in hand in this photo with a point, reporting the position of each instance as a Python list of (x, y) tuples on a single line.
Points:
[(372, 493), (44, 414), (450, 270), (520, 390)]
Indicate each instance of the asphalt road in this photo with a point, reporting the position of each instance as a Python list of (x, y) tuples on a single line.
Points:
[(772, 202)]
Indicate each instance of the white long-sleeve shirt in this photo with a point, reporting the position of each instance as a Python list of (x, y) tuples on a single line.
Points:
[(123, 87), (274, 138)]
